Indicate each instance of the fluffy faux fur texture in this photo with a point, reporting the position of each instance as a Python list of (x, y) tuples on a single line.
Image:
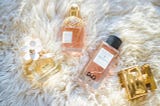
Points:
[(136, 22)]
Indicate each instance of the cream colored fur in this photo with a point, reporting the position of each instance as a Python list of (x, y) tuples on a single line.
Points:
[(136, 22)]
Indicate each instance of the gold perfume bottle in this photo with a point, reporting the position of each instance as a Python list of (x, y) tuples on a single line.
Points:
[(39, 64), (137, 80), (72, 32), (41, 69)]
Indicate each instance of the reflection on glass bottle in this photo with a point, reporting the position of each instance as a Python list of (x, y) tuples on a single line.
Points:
[(72, 32)]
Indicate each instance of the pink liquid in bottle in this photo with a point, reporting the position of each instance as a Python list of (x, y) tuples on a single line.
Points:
[(102, 61)]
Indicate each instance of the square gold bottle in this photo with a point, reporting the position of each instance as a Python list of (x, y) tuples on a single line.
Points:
[(137, 81)]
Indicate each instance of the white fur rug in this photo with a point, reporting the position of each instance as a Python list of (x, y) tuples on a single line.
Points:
[(136, 22)]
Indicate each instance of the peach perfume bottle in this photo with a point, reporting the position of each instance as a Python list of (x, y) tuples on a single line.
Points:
[(72, 32), (102, 61)]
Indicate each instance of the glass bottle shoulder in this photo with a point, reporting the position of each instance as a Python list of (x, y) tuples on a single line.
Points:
[(73, 21), (109, 48)]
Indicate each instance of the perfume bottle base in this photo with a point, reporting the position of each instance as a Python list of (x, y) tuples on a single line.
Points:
[(92, 84)]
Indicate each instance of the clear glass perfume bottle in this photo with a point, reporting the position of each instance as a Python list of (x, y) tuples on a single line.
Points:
[(72, 32), (38, 63), (41, 69), (102, 61)]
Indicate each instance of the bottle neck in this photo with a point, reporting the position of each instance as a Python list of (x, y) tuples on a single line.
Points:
[(74, 13), (74, 10)]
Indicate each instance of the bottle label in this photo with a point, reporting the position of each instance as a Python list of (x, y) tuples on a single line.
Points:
[(103, 58), (67, 37)]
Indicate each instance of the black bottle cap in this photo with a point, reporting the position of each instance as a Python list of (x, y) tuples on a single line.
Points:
[(114, 41)]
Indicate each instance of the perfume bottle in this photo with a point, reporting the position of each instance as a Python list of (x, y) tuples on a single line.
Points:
[(103, 60), (137, 81), (41, 69), (72, 32)]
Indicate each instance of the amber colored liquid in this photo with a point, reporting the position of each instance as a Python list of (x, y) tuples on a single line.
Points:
[(75, 26), (94, 71), (77, 39)]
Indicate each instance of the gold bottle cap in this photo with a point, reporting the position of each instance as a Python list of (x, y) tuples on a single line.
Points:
[(137, 80), (74, 10)]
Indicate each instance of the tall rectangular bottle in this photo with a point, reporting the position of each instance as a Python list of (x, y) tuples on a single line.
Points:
[(102, 61)]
